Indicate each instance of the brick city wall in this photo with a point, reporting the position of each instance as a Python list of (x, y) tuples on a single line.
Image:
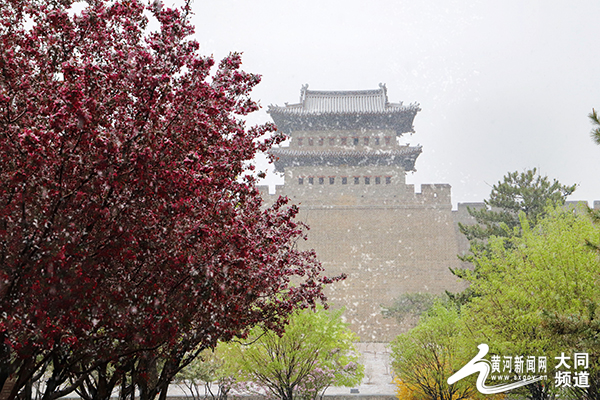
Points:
[(386, 246)]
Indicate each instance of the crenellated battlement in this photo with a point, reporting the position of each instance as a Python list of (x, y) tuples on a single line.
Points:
[(360, 194), (264, 191), (438, 193), (462, 208), (584, 203)]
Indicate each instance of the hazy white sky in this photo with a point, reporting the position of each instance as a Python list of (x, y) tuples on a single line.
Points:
[(503, 85)]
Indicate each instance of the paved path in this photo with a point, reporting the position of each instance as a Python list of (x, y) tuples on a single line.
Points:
[(378, 371)]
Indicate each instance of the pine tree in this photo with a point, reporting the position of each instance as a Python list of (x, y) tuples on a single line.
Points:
[(526, 192), (595, 133), (519, 193)]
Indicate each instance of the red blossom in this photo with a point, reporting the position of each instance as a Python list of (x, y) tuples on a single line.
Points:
[(125, 222)]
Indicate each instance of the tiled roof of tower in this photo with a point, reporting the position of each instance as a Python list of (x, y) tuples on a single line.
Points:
[(346, 110), (343, 102), (405, 156)]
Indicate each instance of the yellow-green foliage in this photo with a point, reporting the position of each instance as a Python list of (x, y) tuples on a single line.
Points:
[(316, 351), (549, 271), (405, 391), (538, 293), (427, 355)]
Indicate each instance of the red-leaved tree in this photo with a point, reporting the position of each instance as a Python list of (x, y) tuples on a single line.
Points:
[(131, 235)]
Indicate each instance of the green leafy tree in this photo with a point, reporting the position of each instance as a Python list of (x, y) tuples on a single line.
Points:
[(581, 330), (424, 357), (315, 352), (595, 134), (211, 374), (538, 295)]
